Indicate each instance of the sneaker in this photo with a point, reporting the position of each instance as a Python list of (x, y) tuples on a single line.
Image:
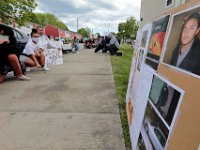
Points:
[(45, 68), (28, 69), (24, 78), (77, 52)]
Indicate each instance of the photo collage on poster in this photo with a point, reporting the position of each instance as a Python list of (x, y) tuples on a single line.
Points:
[(139, 82), (138, 57), (182, 50), (153, 102), (161, 110), (145, 36)]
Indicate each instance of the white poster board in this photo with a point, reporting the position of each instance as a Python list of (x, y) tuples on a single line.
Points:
[(53, 57)]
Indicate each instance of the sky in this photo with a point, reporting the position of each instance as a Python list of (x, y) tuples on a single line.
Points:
[(99, 16)]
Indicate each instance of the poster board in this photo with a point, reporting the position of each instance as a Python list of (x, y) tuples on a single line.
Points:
[(182, 130), (186, 133), (53, 57)]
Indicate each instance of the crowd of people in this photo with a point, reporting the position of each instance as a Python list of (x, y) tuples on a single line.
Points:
[(108, 43), (33, 54)]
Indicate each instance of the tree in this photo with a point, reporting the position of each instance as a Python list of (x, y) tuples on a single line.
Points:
[(84, 32), (47, 18), (128, 29), (17, 10)]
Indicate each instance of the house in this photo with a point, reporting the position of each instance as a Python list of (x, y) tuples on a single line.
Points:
[(152, 9), (54, 31)]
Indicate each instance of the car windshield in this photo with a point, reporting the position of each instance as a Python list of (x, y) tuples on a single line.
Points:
[(160, 137)]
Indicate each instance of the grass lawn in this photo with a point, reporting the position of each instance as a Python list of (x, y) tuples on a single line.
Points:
[(121, 70)]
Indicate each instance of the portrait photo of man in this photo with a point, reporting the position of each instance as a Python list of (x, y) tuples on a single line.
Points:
[(183, 43), (187, 53)]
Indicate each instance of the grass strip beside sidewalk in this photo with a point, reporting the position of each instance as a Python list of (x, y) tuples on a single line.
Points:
[(121, 69)]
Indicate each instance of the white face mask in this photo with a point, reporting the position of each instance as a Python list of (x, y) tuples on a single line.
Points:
[(5, 37), (35, 39)]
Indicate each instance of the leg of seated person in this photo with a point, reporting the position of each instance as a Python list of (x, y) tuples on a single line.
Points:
[(2, 77), (98, 48), (14, 61), (12, 58), (111, 49), (41, 59), (29, 62)]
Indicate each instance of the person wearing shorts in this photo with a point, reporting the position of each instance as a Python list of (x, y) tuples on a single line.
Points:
[(32, 55)]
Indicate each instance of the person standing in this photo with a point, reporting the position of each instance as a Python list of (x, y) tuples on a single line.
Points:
[(75, 45)]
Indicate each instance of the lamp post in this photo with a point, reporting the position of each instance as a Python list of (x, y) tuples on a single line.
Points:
[(123, 31)]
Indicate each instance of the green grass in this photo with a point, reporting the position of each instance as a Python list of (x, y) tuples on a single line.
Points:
[(121, 70)]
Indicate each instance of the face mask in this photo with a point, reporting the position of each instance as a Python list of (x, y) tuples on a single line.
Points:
[(5, 37), (35, 39)]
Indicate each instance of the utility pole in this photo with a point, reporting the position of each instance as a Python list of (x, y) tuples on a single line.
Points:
[(109, 27), (77, 24)]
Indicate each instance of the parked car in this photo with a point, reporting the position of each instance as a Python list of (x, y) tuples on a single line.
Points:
[(66, 47), (22, 40), (21, 37), (155, 135)]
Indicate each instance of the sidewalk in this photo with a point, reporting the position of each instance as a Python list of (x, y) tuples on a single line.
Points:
[(73, 106)]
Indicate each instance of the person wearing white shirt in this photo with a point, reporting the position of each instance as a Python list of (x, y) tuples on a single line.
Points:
[(32, 55), (45, 42)]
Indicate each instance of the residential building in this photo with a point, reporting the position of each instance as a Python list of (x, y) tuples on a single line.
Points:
[(152, 9)]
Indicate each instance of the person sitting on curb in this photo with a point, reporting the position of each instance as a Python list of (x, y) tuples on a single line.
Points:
[(33, 55), (45, 43), (8, 54)]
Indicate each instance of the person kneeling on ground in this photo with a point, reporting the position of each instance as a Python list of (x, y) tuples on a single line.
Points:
[(33, 56), (8, 54), (113, 46)]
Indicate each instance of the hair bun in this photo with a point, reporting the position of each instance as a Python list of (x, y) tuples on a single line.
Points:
[(34, 30)]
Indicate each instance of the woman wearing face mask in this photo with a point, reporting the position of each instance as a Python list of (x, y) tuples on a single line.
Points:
[(32, 55), (9, 54)]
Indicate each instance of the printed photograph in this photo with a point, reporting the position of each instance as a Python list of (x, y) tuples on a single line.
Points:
[(144, 39), (154, 129), (140, 59), (183, 44), (130, 111), (165, 98), (157, 37)]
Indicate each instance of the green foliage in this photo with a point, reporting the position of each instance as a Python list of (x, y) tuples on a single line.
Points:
[(84, 32), (18, 10), (128, 29), (121, 70), (47, 18)]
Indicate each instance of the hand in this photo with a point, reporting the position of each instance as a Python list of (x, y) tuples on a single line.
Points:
[(38, 66), (59, 49), (40, 50)]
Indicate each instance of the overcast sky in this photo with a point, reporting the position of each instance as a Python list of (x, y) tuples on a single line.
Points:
[(95, 14)]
